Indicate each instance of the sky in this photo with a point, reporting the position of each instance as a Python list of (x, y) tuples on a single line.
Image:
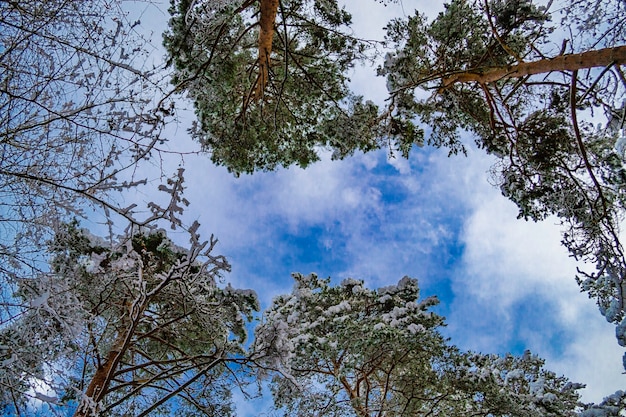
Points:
[(505, 285)]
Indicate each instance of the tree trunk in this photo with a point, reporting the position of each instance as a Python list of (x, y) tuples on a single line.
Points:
[(100, 382), (269, 9), (570, 62)]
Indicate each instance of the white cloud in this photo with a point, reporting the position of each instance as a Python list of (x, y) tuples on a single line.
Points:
[(594, 358), (327, 189), (400, 164), (513, 272), (508, 265)]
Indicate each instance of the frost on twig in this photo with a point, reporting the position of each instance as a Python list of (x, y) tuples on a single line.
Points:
[(133, 323), (172, 212), (79, 112)]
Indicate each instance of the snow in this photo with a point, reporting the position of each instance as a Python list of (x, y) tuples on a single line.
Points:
[(536, 387), (620, 332), (124, 263), (41, 300), (9, 361), (513, 375), (614, 405), (549, 398), (46, 398), (384, 298), (612, 312), (415, 328), (343, 306), (92, 265)]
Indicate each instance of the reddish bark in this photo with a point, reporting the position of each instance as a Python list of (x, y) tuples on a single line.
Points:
[(569, 62), (269, 9), (100, 382)]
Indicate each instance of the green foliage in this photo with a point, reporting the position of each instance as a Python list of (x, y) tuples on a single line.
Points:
[(174, 337), (347, 350), (150, 306), (460, 39), (548, 162), (306, 105)]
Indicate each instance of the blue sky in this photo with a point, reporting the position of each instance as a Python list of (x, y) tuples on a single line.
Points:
[(504, 284)]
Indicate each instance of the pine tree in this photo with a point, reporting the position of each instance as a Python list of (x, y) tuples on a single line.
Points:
[(131, 327), (347, 350), (498, 70), (269, 81)]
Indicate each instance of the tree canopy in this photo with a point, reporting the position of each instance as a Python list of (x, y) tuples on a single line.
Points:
[(502, 71), (78, 110), (493, 69), (136, 326), (347, 350), (270, 94)]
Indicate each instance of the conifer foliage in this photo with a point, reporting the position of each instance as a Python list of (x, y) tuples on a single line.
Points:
[(347, 350), (132, 327), (502, 71), (269, 80)]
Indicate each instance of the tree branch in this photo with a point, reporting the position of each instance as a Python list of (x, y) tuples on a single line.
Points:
[(569, 62)]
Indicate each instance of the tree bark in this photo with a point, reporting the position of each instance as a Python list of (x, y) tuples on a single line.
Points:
[(269, 9), (100, 382), (570, 62), (360, 410)]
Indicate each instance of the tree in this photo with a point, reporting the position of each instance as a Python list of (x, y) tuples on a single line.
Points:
[(269, 81), (347, 350), (78, 108), (130, 327), (612, 405), (499, 70)]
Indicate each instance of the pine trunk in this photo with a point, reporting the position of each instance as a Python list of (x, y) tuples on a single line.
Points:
[(100, 382), (269, 9), (570, 62)]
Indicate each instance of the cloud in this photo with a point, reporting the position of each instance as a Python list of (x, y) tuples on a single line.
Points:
[(505, 284), (515, 286), (323, 192)]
